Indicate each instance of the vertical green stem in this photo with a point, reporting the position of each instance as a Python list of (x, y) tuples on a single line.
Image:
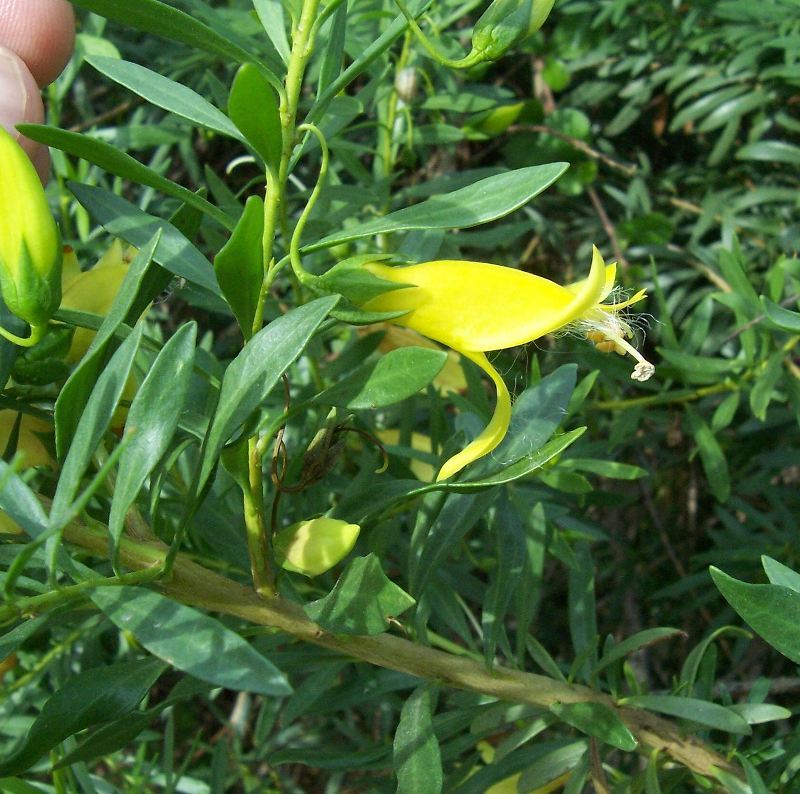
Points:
[(274, 203)]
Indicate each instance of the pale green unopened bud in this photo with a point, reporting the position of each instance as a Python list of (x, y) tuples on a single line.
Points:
[(30, 249), (314, 546), (505, 23)]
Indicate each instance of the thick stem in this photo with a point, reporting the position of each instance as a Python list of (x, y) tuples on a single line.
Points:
[(193, 584)]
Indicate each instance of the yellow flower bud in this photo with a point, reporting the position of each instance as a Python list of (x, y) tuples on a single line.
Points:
[(30, 250), (315, 545)]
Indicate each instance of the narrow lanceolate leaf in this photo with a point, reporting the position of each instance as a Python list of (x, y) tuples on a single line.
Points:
[(75, 393), (151, 422), (254, 372), (712, 457), (165, 93), (783, 318), (692, 709), (778, 573), (123, 219), (161, 19), (190, 641), (93, 696), (391, 379), (20, 503), (509, 537), (598, 720), (772, 610), (92, 425), (482, 202), (417, 760), (117, 162)]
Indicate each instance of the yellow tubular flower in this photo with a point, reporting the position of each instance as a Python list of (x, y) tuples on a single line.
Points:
[(474, 307)]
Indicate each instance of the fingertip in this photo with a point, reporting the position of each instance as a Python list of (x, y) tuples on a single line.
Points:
[(20, 101), (41, 32)]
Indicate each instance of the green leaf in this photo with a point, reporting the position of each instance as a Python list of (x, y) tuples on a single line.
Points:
[(692, 709), (598, 720), (108, 739), (771, 610), (712, 457), (92, 425), (122, 219), (759, 713), (764, 386), (509, 536), (270, 12), (481, 202), (435, 536), (699, 369), (777, 573), (20, 503), (633, 643), (165, 93), (75, 393), (91, 696), (117, 162), (20, 634), (251, 376), (535, 415), (552, 765), (521, 468), (190, 641), (152, 16), (151, 423), (606, 468), (353, 281), (785, 319), (361, 602), (239, 265), (770, 151), (253, 108), (417, 760), (394, 377)]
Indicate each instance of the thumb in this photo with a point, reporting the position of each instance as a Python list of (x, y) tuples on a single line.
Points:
[(20, 102)]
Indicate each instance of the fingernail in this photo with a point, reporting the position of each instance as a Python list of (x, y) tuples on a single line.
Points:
[(13, 93)]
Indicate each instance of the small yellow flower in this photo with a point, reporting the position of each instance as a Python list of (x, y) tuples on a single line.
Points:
[(314, 546), (474, 307)]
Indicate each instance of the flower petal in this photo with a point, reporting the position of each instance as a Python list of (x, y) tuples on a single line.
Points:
[(478, 307), (493, 433)]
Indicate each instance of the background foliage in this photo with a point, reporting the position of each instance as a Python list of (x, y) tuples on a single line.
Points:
[(592, 569)]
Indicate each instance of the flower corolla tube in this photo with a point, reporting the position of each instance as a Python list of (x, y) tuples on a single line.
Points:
[(474, 307)]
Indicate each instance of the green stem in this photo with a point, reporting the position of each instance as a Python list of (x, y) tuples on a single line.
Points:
[(255, 524), (33, 605), (37, 332), (466, 62), (302, 274), (258, 542)]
